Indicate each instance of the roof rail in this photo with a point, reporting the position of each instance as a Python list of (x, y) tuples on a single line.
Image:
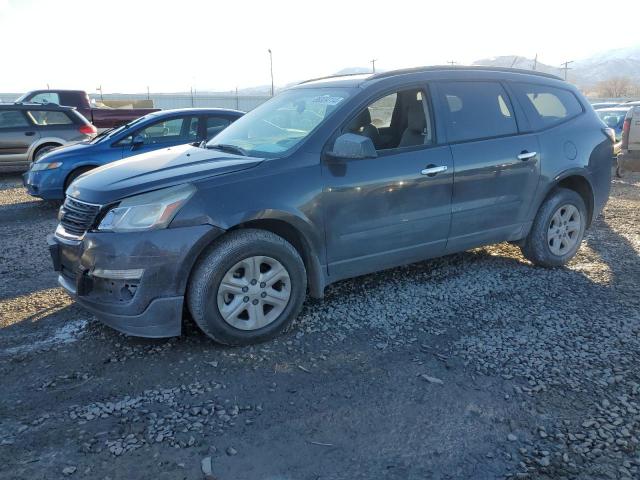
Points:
[(337, 75), (433, 68)]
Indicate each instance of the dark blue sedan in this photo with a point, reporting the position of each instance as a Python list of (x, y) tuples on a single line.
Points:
[(49, 177)]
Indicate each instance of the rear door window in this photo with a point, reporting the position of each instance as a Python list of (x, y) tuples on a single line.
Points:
[(46, 118), (546, 106), (476, 110), (12, 119), (215, 125)]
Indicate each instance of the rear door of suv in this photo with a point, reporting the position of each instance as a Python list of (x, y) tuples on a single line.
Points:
[(496, 168), (17, 134)]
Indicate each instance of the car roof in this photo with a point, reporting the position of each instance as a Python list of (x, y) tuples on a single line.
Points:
[(622, 108), (34, 106), (179, 111), (361, 79)]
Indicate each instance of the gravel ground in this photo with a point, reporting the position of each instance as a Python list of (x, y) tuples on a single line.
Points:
[(472, 366)]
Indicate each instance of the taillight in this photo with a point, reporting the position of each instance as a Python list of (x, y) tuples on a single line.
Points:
[(625, 132), (88, 129)]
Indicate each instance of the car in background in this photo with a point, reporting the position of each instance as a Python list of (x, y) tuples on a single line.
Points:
[(629, 158), (29, 131), (50, 176), (614, 119), (101, 117), (600, 105)]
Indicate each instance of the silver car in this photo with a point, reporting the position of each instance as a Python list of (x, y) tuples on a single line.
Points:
[(28, 131)]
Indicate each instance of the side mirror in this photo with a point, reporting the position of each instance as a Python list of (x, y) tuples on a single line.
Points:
[(352, 146), (137, 141)]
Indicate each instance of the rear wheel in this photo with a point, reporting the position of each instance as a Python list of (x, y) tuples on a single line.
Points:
[(557, 230), (247, 287), (41, 151)]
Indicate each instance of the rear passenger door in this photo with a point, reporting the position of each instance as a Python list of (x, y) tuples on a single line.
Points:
[(496, 169), (214, 124), (16, 136)]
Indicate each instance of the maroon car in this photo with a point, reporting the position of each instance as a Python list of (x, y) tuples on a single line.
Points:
[(100, 117)]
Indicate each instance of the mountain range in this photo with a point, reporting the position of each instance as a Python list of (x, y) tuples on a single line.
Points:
[(586, 72)]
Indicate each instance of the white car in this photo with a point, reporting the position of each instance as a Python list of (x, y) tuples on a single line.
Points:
[(629, 158)]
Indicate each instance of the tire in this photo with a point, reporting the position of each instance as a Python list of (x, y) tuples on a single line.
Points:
[(619, 171), (538, 247), (42, 150), (75, 174), (206, 294)]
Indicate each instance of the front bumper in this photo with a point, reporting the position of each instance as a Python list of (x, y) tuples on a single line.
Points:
[(45, 184), (148, 306)]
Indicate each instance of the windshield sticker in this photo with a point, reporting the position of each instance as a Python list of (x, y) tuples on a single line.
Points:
[(327, 100)]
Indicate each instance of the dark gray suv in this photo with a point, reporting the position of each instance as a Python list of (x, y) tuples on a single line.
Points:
[(330, 179), (29, 130)]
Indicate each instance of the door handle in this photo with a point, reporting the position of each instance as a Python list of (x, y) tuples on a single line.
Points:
[(29, 134), (432, 170), (524, 155)]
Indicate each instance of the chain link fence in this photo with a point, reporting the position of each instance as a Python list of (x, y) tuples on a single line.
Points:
[(171, 100)]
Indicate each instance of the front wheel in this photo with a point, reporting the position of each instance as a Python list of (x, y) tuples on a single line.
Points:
[(247, 287), (557, 230)]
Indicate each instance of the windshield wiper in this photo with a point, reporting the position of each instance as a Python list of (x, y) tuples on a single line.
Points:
[(104, 132), (225, 147)]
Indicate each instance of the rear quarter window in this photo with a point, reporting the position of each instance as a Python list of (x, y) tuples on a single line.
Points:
[(546, 106), (47, 118)]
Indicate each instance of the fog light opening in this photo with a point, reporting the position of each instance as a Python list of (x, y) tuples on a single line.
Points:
[(134, 274)]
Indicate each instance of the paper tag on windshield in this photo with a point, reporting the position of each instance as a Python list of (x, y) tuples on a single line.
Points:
[(327, 100)]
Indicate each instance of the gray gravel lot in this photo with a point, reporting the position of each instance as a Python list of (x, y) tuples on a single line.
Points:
[(472, 366)]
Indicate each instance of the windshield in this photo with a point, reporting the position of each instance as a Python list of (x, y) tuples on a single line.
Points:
[(277, 126), (111, 132)]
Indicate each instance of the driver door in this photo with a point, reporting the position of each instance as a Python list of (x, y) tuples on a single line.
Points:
[(394, 209), (164, 133)]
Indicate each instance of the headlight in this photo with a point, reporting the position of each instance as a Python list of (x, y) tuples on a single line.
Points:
[(148, 211), (35, 167)]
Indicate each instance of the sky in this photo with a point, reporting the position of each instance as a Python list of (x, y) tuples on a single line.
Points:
[(129, 45)]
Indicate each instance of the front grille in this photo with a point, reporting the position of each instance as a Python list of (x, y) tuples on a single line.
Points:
[(77, 217)]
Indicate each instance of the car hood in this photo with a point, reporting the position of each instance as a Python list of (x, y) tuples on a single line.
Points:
[(153, 170), (71, 150)]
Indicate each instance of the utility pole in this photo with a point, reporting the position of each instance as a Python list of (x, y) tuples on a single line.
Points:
[(271, 63), (191, 90), (237, 100), (147, 92), (100, 90), (566, 68), (452, 62), (373, 65), (535, 62), (48, 87)]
